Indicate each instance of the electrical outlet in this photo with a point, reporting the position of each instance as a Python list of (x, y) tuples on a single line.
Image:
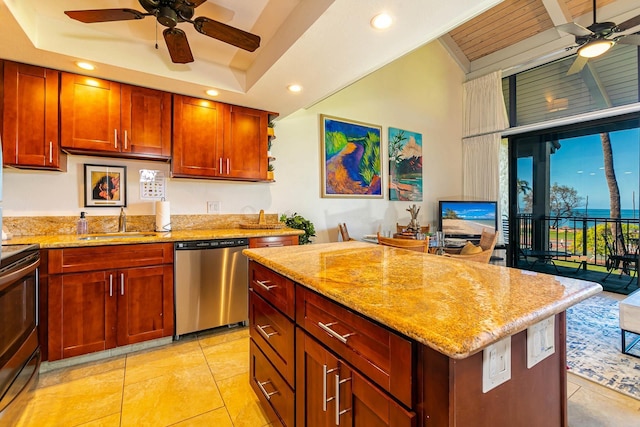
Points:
[(214, 207), (496, 364), (540, 341)]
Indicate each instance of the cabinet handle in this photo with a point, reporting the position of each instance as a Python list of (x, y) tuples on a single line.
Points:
[(326, 399), (228, 165), (338, 411), (110, 285), (273, 245), (220, 166), (125, 139), (264, 333), (266, 394), (264, 285), (327, 329), (121, 283), (115, 138), (50, 151)]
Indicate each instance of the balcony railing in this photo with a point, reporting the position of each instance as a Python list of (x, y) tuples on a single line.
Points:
[(587, 243)]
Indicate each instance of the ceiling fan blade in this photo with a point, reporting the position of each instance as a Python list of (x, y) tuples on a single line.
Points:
[(195, 3), (178, 45), (577, 65), (629, 39), (629, 23), (227, 33), (573, 28), (104, 15)]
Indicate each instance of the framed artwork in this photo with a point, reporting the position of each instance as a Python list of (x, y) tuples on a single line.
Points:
[(350, 158), (105, 186), (405, 165)]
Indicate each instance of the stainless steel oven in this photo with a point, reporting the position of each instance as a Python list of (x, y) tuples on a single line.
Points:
[(19, 347)]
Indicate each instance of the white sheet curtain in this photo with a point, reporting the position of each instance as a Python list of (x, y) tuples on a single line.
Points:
[(485, 117)]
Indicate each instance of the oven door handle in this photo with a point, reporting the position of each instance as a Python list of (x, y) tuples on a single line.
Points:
[(7, 279)]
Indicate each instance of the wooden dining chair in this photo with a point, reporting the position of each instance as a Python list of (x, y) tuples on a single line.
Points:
[(487, 244), (410, 244), (344, 233)]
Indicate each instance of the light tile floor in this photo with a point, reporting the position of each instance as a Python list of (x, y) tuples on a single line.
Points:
[(204, 381)]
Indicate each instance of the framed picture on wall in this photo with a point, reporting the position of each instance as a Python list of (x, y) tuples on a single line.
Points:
[(405, 165), (105, 186), (350, 158)]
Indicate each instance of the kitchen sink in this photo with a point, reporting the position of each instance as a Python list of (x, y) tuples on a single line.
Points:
[(125, 235)]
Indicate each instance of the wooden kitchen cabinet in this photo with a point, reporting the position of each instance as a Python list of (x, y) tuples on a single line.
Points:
[(272, 241), (107, 296), (219, 141), (109, 118), (329, 392), (30, 137)]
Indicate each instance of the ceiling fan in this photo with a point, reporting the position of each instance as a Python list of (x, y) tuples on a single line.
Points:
[(598, 37), (169, 13)]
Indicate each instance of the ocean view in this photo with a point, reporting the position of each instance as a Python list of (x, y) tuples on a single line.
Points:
[(604, 213)]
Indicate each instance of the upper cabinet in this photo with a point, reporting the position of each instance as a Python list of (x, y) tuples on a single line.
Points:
[(215, 140), (100, 116), (30, 118)]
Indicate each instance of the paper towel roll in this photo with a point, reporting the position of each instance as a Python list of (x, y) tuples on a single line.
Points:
[(163, 216)]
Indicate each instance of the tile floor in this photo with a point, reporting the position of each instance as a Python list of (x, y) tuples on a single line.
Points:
[(204, 381)]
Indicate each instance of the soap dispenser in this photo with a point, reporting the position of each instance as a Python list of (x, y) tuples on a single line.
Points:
[(83, 227)]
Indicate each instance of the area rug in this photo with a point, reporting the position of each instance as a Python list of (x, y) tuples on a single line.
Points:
[(593, 346)]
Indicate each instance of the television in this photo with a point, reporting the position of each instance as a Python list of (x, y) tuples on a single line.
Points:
[(461, 219)]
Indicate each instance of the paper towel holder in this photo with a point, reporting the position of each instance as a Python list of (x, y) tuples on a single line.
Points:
[(163, 216)]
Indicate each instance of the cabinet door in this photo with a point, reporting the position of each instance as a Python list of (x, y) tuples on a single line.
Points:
[(30, 117), (316, 369), (197, 133), (89, 114), (146, 122), (82, 313), (245, 147), (145, 304), (272, 241)]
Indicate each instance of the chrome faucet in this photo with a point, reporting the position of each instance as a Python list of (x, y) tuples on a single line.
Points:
[(122, 221)]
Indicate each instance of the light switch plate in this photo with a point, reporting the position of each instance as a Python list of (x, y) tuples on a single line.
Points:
[(540, 341), (213, 207), (496, 364)]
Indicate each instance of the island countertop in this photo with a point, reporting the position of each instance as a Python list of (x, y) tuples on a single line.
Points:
[(455, 307)]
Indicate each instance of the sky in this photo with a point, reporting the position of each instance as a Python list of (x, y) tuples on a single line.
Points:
[(579, 164)]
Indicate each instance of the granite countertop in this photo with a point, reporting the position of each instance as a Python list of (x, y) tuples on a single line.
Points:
[(455, 307), (72, 240)]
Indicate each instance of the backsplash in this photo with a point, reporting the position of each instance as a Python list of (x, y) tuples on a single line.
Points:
[(50, 225)]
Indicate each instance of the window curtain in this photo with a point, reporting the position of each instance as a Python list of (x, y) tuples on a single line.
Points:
[(483, 153)]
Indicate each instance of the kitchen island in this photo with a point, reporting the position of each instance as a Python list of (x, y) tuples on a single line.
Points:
[(412, 328)]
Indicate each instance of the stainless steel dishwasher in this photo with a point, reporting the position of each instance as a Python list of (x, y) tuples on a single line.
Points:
[(211, 287)]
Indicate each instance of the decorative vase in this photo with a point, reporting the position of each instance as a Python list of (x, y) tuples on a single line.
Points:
[(414, 225), (270, 175)]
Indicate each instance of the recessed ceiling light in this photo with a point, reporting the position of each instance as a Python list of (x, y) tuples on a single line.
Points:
[(212, 92), (85, 65), (381, 21), (294, 88)]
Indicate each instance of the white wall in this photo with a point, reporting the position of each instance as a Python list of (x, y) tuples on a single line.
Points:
[(421, 92)]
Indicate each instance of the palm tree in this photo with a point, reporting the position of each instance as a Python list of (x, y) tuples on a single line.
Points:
[(522, 187), (614, 192)]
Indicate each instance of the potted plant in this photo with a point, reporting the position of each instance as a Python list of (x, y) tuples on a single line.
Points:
[(270, 169), (270, 132), (300, 223)]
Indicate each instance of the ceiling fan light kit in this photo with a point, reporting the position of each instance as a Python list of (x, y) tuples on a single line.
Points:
[(595, 48), (170, 13)]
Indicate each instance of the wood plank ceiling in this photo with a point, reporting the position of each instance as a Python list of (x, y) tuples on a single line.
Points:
[(510, 22)]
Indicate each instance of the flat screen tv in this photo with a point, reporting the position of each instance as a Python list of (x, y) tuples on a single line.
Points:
[(466, 219)]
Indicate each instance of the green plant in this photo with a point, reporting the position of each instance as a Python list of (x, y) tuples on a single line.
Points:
[(270, 167), (300, 223)]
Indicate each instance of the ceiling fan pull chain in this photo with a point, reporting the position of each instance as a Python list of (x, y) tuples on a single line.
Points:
[(156, 35)]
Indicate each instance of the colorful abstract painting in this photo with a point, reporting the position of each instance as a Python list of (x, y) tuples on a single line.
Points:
[(351, 158), (405, 165)]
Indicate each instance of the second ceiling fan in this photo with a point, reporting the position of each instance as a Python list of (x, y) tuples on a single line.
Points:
[(170, 13)]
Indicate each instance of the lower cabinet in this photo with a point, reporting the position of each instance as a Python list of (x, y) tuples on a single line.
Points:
[(99, 309), (329, 392)]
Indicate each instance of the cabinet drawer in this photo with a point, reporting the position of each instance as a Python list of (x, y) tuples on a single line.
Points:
[(272, 390), (274, 288), (272, 241), (274, 333), (73, 260), (383, 356)]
